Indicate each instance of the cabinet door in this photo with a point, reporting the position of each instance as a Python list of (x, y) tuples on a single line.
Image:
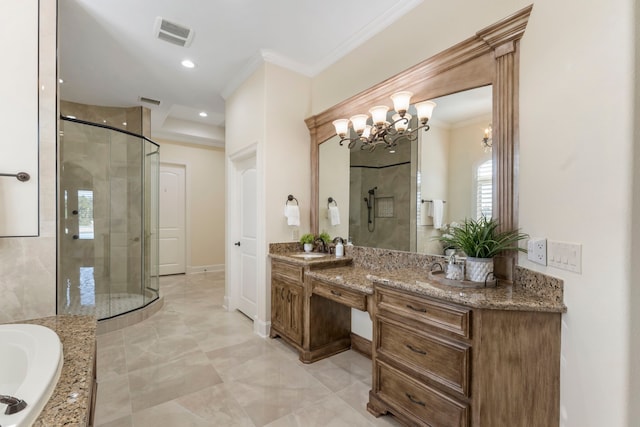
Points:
[(294, 311), (278, 304)]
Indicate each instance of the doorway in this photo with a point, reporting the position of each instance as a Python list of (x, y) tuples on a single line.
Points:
[(172, 219)]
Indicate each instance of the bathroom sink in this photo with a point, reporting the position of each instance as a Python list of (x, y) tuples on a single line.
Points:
[(30, 366), (439, 277), (308, 255)]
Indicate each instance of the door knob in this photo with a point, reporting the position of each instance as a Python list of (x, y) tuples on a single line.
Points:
[(237, 243), (76, 237)]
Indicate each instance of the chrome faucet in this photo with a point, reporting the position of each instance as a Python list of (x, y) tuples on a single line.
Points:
[(324, 245)]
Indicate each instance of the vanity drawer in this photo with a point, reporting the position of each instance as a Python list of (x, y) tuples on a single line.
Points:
[(452, 318), (287, 271), (428, 405), (441, 360), (341, 295)]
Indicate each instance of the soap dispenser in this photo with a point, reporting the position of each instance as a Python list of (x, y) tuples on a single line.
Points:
[(339, 248)]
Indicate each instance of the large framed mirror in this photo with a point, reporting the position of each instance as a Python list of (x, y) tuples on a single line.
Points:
[(480, 68)]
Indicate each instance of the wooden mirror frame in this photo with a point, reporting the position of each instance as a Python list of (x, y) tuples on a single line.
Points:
[(491, 57)]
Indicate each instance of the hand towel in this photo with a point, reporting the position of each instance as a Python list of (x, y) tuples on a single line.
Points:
[(292, 212), (334, 215), (426, 212), (438, 211)]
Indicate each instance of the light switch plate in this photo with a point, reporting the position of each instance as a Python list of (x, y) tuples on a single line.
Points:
[(566, 256), (537, 250)]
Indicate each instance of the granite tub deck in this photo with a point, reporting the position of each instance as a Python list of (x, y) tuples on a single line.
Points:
[(531, 292), (71, 401)]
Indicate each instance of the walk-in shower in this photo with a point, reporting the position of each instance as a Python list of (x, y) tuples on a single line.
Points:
[(107, 220)]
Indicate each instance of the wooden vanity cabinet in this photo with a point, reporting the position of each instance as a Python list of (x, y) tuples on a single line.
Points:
[(287, 294), (312, 315), (441, 364)]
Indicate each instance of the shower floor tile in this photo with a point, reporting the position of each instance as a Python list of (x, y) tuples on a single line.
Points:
[(103, 305)]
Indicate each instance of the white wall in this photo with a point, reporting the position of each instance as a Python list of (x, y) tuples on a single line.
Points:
[(576, 140), (334, 182), (576, 88), (28, 264), (18, 111), (465, 157), (281, 139), (205, 183)]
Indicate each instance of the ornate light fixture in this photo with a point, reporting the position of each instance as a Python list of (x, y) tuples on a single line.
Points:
[(487, 141), (380, 131)]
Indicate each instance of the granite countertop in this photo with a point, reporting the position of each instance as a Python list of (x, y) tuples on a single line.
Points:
[(501, 297), (348, 277), (327, 260), (71, 400), (416, 281)]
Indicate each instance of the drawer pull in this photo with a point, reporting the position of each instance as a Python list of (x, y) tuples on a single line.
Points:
[(416, 350), (336, 293), (414, 400), (421, 310)]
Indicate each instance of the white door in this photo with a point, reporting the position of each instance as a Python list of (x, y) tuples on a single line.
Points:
[(246, 183), (172, 220)]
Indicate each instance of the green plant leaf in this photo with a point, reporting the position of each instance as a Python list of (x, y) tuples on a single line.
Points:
[(481, 239)]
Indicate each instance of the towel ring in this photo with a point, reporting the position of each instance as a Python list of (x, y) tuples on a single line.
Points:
[(331, 200), (289, 199)]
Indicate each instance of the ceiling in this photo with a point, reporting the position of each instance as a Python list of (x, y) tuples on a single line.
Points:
[(110, 56)]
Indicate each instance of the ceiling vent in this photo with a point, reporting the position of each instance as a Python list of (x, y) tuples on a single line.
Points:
[(172, 32), (149, 100)]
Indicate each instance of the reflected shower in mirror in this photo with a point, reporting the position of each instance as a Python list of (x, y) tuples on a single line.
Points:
[(402, 198)]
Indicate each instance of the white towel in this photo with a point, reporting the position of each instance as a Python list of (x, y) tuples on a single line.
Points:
[(292, 212), (438, 211), (334, 215), (426, 212)]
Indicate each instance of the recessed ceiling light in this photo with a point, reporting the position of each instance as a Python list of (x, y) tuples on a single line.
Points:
[(60, 81), (188, 63), (71, 117), (203, 114), (124, 123)]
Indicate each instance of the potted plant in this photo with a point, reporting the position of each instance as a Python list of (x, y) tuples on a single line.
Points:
[(307, 241), (480, 240)]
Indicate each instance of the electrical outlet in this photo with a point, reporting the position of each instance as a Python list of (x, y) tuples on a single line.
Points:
[(537, 250), (295, 234), (567, 256)]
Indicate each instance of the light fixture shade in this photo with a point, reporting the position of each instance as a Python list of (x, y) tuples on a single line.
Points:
[(342, 127), (367, 132), (359, 122), (379, 114), (401, 123), (425, 109), (488, 131), (401, 101)]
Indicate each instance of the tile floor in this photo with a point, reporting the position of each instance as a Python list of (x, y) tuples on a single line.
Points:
[(195, 364)]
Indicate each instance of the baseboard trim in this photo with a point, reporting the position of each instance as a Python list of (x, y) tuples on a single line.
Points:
[(260, 328), (361, 345), (205, 268)]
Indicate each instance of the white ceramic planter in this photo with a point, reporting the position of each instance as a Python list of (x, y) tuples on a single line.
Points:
[(478, 268), (308, 247)]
